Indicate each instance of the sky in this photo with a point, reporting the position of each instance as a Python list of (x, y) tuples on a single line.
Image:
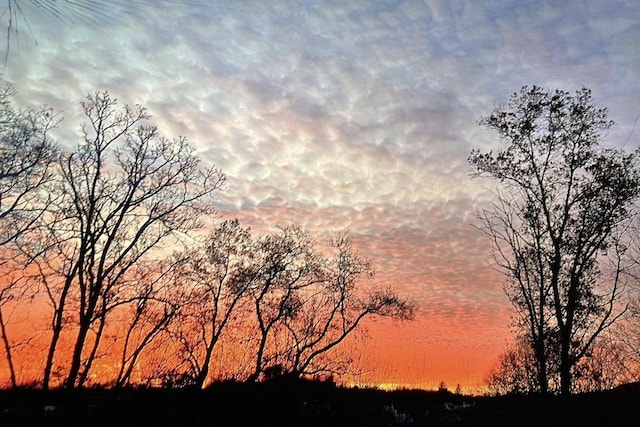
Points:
[(351, 116)]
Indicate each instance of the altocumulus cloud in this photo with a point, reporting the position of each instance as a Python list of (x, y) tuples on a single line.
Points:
[(351, 116)]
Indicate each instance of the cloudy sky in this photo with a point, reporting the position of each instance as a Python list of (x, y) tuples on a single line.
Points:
[(353, 116)]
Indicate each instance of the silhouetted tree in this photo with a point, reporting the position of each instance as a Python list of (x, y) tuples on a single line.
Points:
[(603, 367), (284, 264), (334, 307), (563, 196), (125, 191), (516, 371), (627, 335), (150, 300), (627, 332), (305, 303), (213, 276), (26, 156)]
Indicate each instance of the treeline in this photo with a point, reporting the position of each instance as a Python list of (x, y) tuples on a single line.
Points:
[(110, 276)]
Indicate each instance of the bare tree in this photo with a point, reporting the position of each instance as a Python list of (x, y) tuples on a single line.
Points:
[(26, 156), (627, 334), (152, 301), (516, 371), (306, 304), (27, 153), (9, 292), (213, 276), (284, 264), (333, 308), (603, 367), (563, 198), (126, 190)]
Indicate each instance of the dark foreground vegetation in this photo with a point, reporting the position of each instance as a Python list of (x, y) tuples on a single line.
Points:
[(289, 402)]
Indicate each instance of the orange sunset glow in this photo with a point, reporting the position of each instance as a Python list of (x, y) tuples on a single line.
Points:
[(341, 118)]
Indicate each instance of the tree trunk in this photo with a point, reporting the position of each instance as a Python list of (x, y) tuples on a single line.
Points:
[(76, 359), (543, 381), (55, 337), (58, 320), (541, 347), (259, 355), (94, 350), (128, 364), (7, 349), (565, 364), (204, 372)]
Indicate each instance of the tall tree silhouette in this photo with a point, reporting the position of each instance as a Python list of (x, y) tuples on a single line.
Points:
[(27, 154), (126, 190), (562, 196)]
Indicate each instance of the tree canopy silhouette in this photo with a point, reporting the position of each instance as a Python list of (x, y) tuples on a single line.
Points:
[(560, 200)]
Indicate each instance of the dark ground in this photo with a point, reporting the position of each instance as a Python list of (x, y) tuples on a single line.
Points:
[(295, 403)]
